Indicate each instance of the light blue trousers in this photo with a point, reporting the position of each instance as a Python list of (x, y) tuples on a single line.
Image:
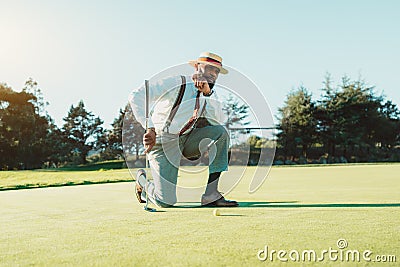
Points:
[(166, 155)]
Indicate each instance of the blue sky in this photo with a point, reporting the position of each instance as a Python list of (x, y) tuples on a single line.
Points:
[(99, 51)]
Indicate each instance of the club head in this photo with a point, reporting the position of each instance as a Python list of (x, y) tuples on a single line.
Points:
[(149, 209)]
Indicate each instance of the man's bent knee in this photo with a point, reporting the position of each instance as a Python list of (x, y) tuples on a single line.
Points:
[(220, 131)]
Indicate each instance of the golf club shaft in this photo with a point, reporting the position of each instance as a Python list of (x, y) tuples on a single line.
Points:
[(146, 182), (146, 84), (213, 142)]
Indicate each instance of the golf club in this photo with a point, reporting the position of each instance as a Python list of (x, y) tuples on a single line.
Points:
[(146, 206), (210, 144)]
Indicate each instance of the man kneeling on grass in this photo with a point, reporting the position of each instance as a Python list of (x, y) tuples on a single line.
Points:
[(184, 111)]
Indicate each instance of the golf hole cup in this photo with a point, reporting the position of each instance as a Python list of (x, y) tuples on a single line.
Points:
[(216, 212)]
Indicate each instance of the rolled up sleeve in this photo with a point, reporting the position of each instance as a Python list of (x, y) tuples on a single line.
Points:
[(137, 98)]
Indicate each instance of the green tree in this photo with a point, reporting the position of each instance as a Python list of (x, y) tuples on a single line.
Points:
[(113, 139), (22, 129), (83, 130), (256, 143), (31, 87), (58, 146), (237, 114), (6, 145), (131, 135), (389, 131), (297, 123), (348, 117)]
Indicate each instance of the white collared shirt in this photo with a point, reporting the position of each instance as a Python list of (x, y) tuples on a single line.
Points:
[(162, 96)]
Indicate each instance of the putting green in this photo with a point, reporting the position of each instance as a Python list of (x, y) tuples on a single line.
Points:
[(297, 208)]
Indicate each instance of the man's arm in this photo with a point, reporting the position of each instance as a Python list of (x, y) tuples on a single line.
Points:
[(137, 102), (201, 84), (137, 98)]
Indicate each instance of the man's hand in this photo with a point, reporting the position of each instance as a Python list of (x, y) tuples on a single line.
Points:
[(201, 83), (149, 139)]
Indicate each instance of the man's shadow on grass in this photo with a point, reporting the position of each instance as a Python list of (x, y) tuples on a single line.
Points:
[(294, 204), (290, 204)]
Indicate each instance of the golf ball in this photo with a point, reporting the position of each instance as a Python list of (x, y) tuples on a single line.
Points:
[(216, 212)]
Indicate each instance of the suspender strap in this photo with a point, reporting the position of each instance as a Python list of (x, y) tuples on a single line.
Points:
[(175, 107), (204, 108)]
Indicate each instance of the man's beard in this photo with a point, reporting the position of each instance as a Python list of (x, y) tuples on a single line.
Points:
[(210, 82)]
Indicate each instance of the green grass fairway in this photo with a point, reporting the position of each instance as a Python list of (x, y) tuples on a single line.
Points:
[(11, 180), (297, 208)]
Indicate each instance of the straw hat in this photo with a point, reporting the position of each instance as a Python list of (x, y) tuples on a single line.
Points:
[(210, 59)]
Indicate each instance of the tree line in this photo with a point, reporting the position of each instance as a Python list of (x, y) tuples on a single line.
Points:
[(349, 123), (30, 139)]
